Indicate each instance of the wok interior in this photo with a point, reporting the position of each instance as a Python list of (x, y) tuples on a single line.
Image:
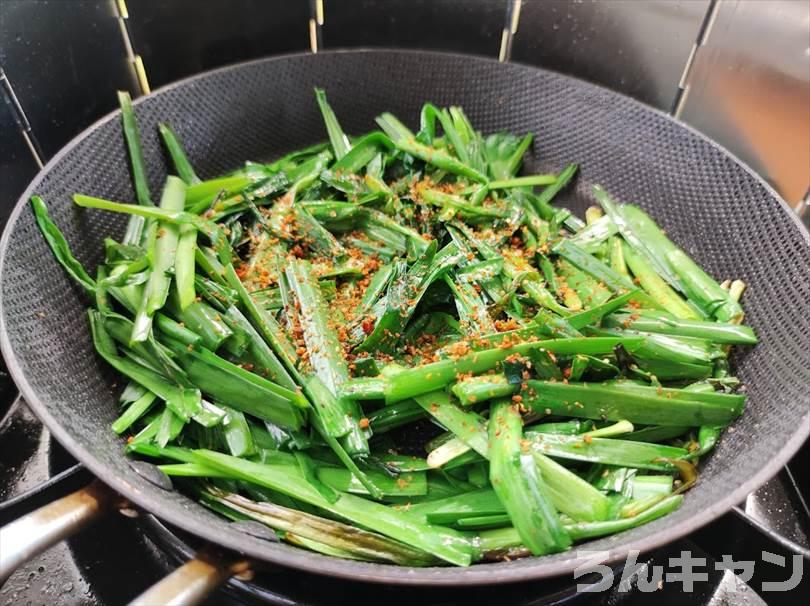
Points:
[(715, 209)]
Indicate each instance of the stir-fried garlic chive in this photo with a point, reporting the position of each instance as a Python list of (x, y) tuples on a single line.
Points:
[(282, 327)]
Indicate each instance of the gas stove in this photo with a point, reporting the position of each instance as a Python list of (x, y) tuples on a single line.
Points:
[(114, 560)]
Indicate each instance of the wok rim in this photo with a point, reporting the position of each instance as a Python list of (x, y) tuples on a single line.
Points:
[(300, 559)]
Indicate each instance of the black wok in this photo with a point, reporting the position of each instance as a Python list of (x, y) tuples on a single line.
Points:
[(722, 213)]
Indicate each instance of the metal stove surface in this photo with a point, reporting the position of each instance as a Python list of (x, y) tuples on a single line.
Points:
[(118, 557)]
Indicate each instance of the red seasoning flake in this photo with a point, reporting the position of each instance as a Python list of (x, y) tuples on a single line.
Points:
[(505, 325), (364, 422), (459, 349)]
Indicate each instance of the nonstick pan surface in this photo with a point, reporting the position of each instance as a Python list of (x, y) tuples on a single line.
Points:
[(718, 210)]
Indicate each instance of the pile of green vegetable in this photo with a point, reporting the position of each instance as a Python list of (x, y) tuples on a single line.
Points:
[(392, 348)]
